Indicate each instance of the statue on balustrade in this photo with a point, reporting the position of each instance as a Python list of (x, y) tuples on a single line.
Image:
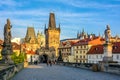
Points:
[(7, 45), (107, 34), (7, 32)]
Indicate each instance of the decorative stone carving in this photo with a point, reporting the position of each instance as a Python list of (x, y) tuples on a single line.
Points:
[(107, 34), (7, 45)]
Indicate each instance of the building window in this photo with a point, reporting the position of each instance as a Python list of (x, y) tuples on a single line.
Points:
[(76, 56), (76, 51), (80, 56), (101, 56), (83, 56), (114, 47), (77, 47), (97, 56), (80, 61), (89, 56), (76, 61), (83, 51), (117, 56), (81, 47), (84, 46), (96, 49), (83, 61)]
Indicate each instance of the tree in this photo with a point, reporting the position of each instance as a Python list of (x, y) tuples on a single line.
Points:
[(18, 59)]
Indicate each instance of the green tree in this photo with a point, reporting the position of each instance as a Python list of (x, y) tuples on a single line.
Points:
[(18, 59)]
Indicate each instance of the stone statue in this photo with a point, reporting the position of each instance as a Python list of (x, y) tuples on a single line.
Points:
[(107, 34), (7, 32), (7, 45)]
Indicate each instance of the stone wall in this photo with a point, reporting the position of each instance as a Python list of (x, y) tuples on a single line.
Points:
[(7, 72), (111, 68)]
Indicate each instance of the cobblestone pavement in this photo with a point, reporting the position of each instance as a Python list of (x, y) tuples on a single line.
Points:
[(44, 72)]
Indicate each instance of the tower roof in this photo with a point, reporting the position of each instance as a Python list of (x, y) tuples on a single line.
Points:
[(52, 23), (30, 34)]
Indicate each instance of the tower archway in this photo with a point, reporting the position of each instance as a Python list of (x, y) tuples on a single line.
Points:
[(43, 58)]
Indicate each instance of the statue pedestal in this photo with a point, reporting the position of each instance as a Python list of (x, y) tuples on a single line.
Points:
[(107, 59), (107, 52), (7, 59), (107, 56)]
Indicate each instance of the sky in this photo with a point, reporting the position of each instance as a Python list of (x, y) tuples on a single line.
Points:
[(72, 15)]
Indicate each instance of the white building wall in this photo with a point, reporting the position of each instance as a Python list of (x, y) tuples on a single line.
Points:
[(94, 58), (34, 57), (116, 57)]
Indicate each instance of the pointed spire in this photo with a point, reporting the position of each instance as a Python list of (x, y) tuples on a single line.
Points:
[(83, 30), (59, 25), (38, 33), (45, 26), (99, 34), (77, 34), (52, 23), (45, 29)]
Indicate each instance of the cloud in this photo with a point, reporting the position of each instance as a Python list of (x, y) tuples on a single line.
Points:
[(89, 3), (10, 3), (7, 2), (73, 15)]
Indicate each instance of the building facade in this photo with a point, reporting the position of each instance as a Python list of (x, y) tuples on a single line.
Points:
[(32, 43), (65, 48), (1, 42), (81, 48), (96, 53)]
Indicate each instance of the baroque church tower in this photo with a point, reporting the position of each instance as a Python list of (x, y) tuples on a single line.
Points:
[(52, 34)]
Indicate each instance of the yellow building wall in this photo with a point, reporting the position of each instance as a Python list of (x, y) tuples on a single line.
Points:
[(71, 59), (80, 53), (54, 39), (0, 55), (17, 52), (32, 46)]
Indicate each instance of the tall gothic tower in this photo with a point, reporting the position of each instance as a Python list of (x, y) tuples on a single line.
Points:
[(52, 34)]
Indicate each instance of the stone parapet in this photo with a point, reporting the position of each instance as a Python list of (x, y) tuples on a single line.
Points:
[(8, 71)]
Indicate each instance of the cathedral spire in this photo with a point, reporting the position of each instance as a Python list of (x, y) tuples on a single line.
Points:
[(38, 33), (59, 25), (52, 23), (45, 26)]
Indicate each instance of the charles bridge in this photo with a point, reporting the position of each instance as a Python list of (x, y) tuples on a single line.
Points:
[(58, 71)]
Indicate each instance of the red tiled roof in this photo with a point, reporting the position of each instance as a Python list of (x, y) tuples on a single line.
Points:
[(30, 52), (15, 46), (63, 43), (98, 49), (71, 43), (93, 41), (1, 41), (116, 47)]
